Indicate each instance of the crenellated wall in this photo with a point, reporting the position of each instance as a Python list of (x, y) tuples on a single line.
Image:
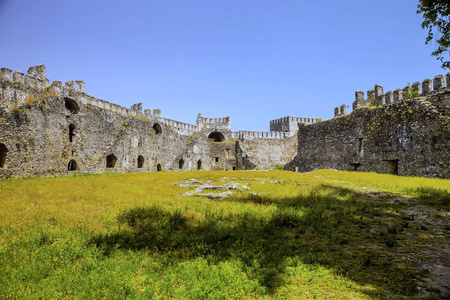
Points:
[(56, 129), (218, 123), (428, 88), (340, 110), (289, 123), (248, 134), (401, 136)]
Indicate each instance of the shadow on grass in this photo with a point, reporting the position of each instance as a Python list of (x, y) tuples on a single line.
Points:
[(432, 196), (333, 227)]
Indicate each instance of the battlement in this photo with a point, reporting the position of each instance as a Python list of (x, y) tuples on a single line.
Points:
[(183, 128), (35, 77), (223, 123), (289, 123), (273, 135), (340, 110), (418, 89)]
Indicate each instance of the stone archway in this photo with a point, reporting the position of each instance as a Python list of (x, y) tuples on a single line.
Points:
[(216, 137), (72, 166), (157, 128), (180, 164), (71, 105), (199, 165), (111, 161), (141, 161)]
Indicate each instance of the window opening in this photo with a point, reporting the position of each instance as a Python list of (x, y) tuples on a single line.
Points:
[(355, 166), (71, 132), (217, 159), (111, 161), (216, 137), (140, 161), (360, 142), (157, 128), (72, 105), (3, 152), (392, 166), (72, 166)]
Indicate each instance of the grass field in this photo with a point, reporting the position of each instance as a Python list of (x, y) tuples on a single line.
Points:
[(281, 235)]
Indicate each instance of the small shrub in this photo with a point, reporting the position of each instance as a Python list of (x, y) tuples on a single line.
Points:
[(410, 92), (30, 99), (17, 112)]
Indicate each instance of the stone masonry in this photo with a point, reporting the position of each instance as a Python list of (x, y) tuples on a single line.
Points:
[(405, 132), (51, 129)]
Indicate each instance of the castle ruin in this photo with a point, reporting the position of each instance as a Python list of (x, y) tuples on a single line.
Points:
[(52, 129), (48, 129)]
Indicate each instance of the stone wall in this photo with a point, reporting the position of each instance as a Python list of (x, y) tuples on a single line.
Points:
[(58, 129), (408, 137), (266, 153), (289, 123)]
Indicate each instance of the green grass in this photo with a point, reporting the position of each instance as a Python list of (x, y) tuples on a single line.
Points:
[(323, 234)]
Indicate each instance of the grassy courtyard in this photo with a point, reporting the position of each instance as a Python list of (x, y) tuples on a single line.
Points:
[(278, 235)]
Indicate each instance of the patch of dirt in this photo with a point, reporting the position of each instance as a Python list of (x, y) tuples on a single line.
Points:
[(435, 255)]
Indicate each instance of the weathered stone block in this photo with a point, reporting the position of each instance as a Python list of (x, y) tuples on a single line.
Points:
[(427, 87), (19, 77)]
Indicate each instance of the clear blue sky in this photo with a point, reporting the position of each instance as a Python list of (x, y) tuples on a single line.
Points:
[(252, 60)]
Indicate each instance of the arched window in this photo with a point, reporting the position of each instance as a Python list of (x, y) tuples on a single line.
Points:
[(111, 161), (3, 152), (199, 165), (72, 105), (71, 132), (140, 161), (157, 128), (216, 137), (181, 164), (72, 166), (158, 167)]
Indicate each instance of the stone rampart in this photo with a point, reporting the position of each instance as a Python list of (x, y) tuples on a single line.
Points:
[(183, 128), (408, 138), (272, 135), (425, 88), (218, 123), (289, 123), (59, 128), (340, 110)]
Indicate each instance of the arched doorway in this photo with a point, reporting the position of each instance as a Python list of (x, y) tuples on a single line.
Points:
[(180, 164), (158, 167), (111, 161), (72, 166), (140, 161), (199, 165)]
